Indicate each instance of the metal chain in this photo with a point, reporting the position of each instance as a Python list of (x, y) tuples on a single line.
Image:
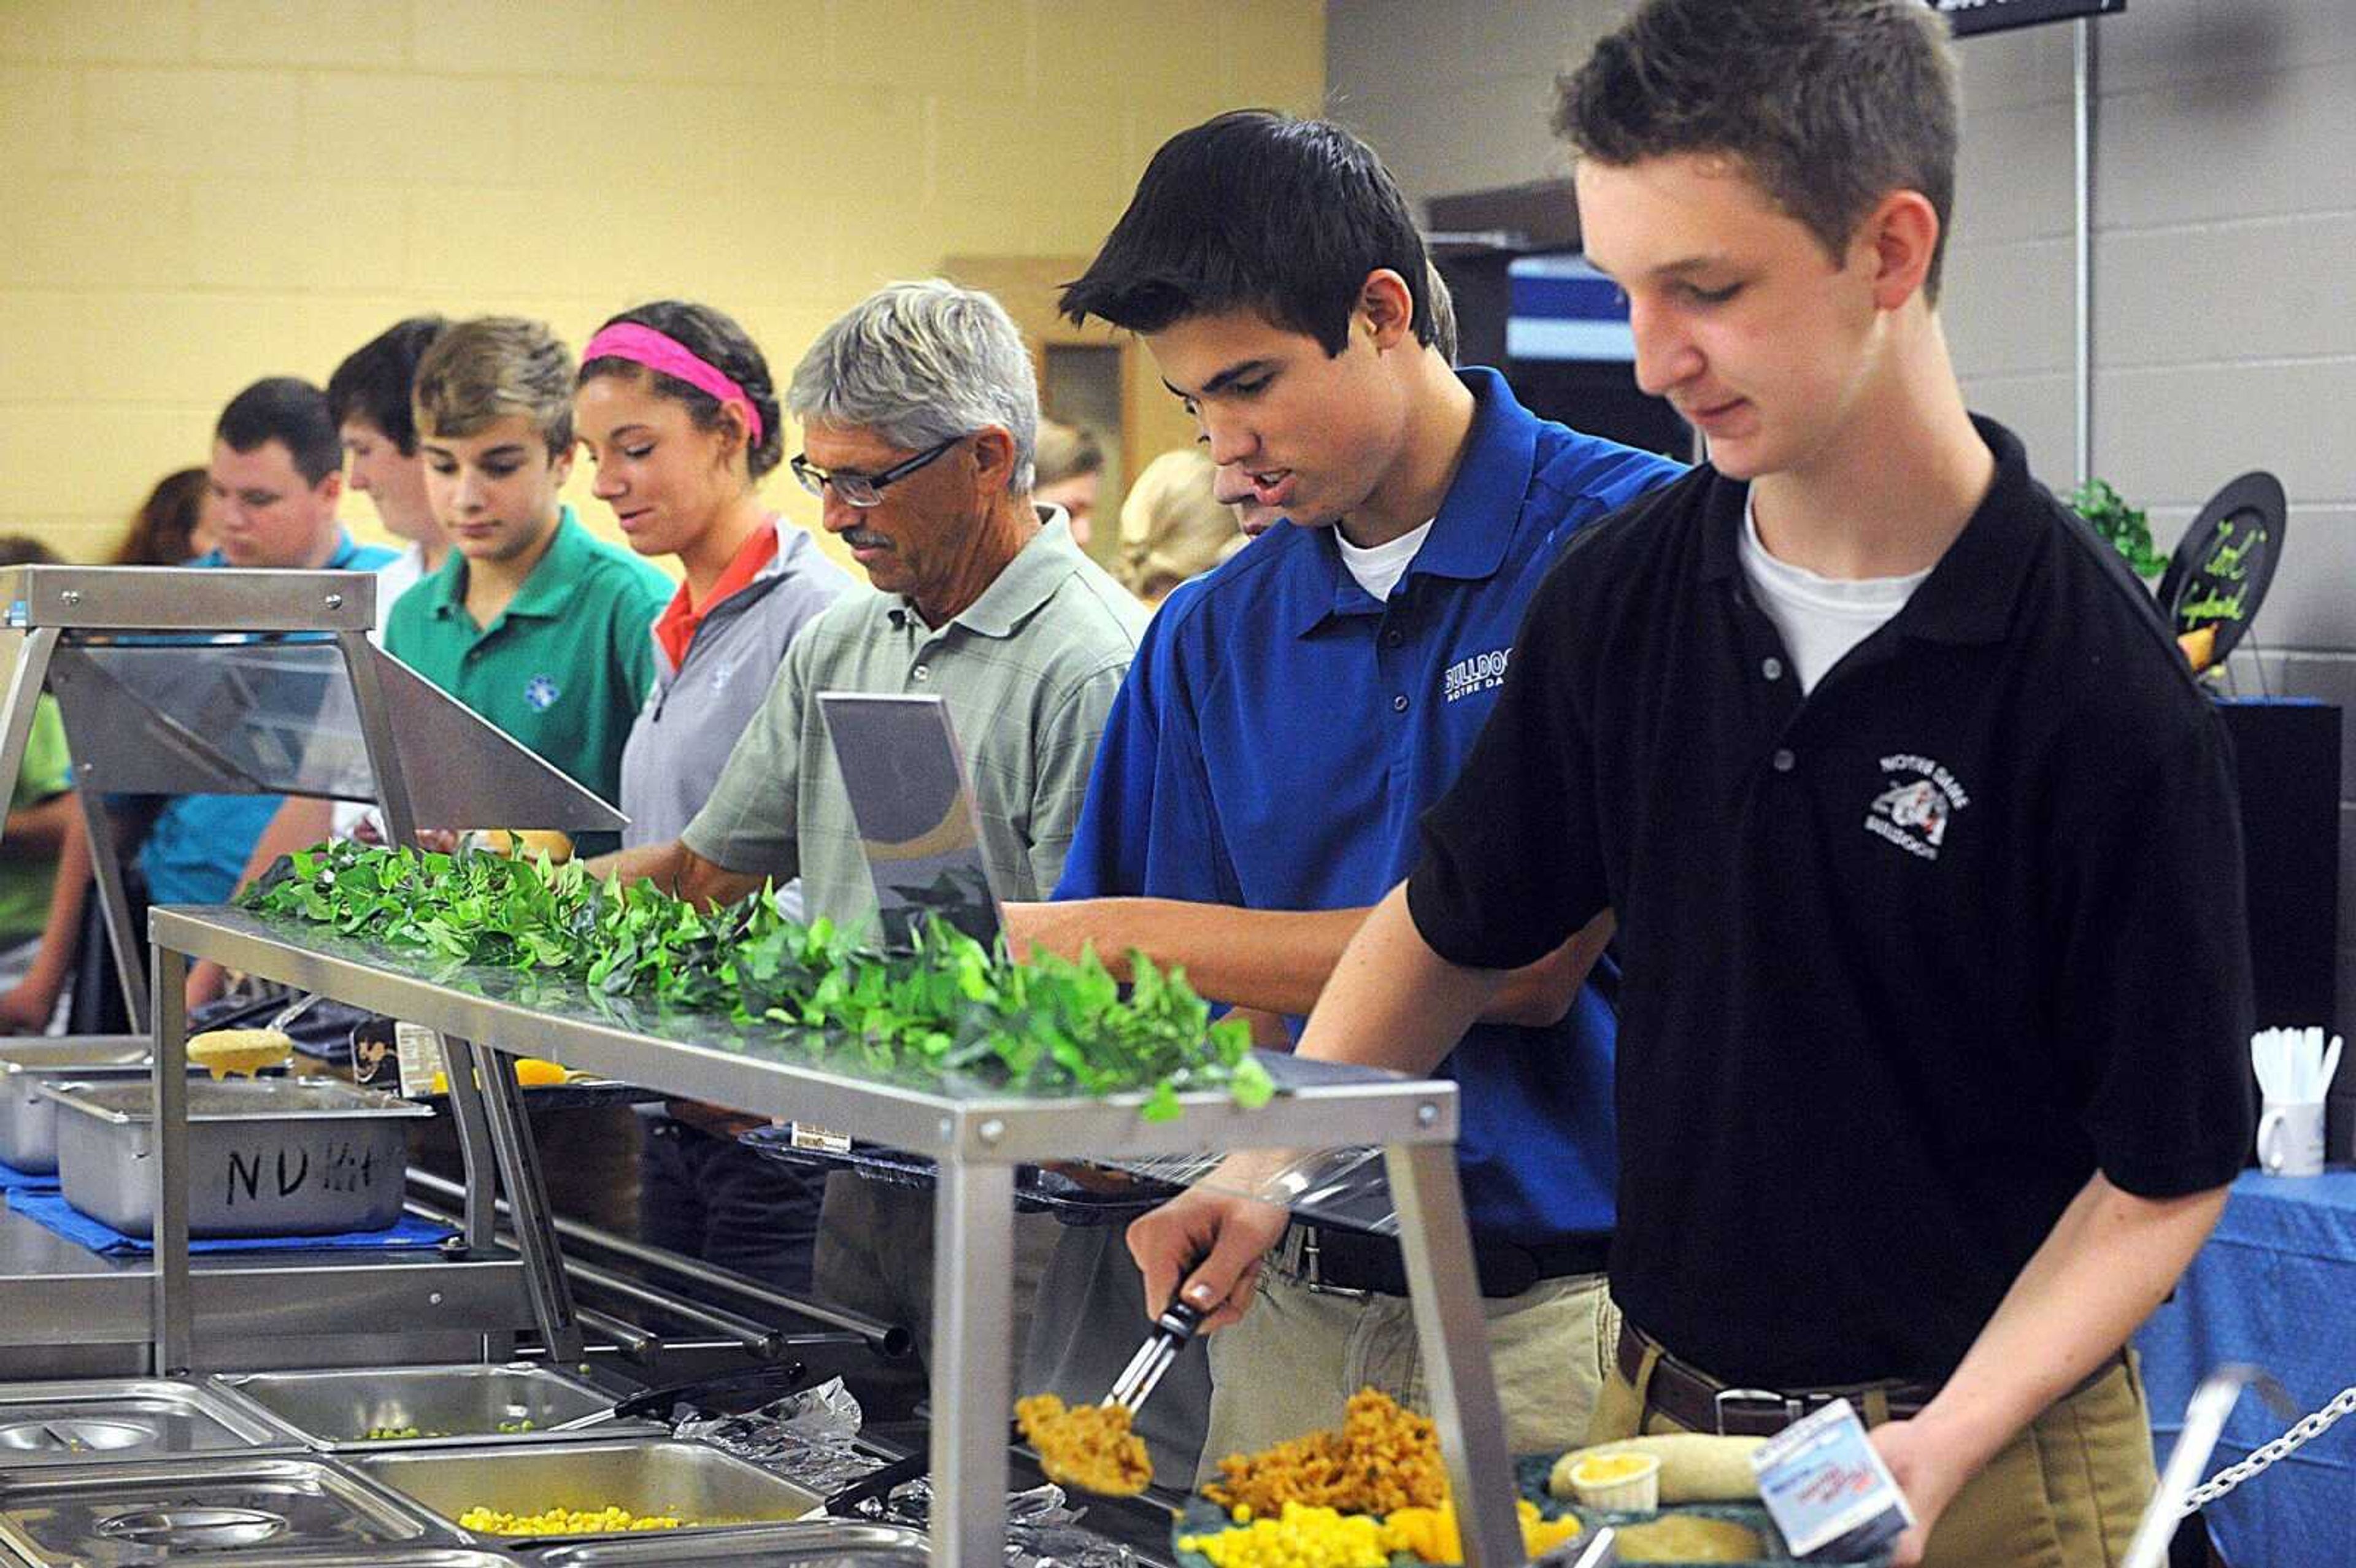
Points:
[(2309, 1428)]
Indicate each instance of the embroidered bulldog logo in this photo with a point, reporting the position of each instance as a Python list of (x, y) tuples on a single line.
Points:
[(1917, 805), (542, 691)]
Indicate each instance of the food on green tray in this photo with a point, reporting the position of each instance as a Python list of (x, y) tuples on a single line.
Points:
[(1087, 1445), (951, 1008), (1382, 1458), (1696, 1466), (1432, 1534), (566, 1521), (1689, 1538)]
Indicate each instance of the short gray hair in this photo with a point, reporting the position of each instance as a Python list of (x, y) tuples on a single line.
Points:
[(919, 364)]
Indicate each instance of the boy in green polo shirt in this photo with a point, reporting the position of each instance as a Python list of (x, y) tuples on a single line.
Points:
[(530, 622)]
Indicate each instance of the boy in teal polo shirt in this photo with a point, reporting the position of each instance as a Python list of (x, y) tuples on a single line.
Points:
[(532, 622)]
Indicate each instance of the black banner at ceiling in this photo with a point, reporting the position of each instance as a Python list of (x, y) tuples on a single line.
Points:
[(1969, 16)]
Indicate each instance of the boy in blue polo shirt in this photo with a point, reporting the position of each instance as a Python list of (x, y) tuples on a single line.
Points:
[(1291, 713), (532, 622)]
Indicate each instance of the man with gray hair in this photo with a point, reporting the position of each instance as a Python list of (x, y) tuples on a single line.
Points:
[(919, 411)]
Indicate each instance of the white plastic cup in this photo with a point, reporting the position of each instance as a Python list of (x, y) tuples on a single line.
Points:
[(2291, 1138)]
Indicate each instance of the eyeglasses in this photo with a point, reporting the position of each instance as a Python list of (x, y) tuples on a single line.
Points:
[(863, 490)]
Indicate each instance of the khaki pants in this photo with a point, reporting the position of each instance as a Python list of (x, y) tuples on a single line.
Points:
[(2065, 1493), (874, 1255), (1298, 1355)]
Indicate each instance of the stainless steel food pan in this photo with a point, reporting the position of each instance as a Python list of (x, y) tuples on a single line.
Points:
[(267, 1157), (812, 1543), (28, 1123), (445, 1405), (698, 1484), (173, 1511), (81, 1421)]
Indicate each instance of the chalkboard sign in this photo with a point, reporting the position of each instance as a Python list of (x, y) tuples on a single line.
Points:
[(1969, 16), (2223, 565)]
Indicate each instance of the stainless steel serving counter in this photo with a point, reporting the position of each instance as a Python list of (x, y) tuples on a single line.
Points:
[(978, 1134)]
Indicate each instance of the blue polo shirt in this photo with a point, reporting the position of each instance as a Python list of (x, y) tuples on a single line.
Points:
[(1281, 731), (200, 842)]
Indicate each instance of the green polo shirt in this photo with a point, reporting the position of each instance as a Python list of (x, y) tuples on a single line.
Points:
[(563, 669), (1028, 670), (25, 879)]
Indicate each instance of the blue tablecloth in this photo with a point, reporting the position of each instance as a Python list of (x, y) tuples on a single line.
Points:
[(12, 1180), (2274, 1287), (52, 1211)]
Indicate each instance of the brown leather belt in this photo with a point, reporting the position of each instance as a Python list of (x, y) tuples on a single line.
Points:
[(1699, 1402)]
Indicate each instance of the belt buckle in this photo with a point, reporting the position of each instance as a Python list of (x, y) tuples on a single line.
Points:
[(1791, 1409), (1311, 1275)]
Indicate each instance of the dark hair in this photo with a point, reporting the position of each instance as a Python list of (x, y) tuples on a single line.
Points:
[(24, 550), (289, 410), (1256, 210), (167, 522), (714, 337), (373, 381), (1829, 104)]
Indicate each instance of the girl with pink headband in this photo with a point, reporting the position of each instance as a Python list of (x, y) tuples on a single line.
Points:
[(675, 408)]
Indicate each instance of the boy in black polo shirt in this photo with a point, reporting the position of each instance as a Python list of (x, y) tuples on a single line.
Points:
[(1921, 840)]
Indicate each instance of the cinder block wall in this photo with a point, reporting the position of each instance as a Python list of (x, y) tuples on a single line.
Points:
[(202, 192), (2226, 225)]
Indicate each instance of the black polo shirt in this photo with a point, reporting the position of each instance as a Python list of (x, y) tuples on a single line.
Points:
[(1905, 962)]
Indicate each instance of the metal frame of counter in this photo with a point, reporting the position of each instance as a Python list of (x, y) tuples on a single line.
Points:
[(978, 1139)]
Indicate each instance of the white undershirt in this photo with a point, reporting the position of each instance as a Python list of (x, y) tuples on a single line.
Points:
[(1819, 618), (1379, 567)]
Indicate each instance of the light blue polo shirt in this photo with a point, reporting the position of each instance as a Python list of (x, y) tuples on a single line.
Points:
[(1281, 731), (200, 842)]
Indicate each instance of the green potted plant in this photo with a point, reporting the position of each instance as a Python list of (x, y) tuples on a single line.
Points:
[(2106, 511)]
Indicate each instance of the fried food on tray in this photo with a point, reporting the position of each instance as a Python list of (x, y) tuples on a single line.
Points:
[(1383, 1459), (222, 1051), (1089, 1447)]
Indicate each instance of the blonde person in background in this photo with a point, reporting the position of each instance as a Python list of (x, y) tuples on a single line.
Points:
[(1071, 475), (1173, 527)]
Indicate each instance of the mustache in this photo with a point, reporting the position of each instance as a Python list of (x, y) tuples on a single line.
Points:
[(863, 538)]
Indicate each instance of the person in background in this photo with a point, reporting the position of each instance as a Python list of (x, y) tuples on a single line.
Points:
[(1173, 527), (276, 476), (1899, 790), (42, 812), (369, 395), (177, 523), (918, 409), (1071, 473), (676, 411), (1288, 715), (531, 622)]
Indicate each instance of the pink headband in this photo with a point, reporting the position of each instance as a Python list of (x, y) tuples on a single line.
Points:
[(657, 351)]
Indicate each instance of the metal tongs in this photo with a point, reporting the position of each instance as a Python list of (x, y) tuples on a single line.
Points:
[(1138, 1379)]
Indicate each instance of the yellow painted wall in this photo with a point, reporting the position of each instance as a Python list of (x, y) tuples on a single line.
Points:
[(198, 193)]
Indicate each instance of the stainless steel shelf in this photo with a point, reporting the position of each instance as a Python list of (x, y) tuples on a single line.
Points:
[(977, 1133)]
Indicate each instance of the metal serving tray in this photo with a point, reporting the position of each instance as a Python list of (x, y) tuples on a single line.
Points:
[(267, 1157), (28, 1123), (124, 1418), (813, 1543), (169, 1510), (693, 1480), (450, 1406)]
